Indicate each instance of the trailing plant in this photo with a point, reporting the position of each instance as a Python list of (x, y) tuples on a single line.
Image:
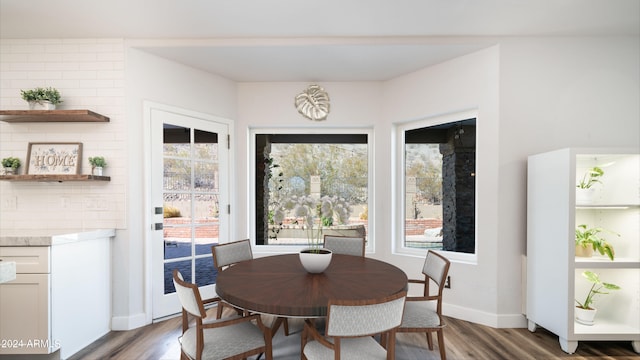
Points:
[(97, 161), (273, 182), (589, 237), (596, 289), (40, 95), (11, 162), (590, 178)]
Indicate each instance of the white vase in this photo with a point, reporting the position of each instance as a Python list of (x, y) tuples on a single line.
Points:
[(10, 171), (41, 105), (585, 316), (315, 261), (97, 170), (585, 196)]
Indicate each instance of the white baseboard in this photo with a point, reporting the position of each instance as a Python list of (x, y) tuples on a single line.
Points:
[(129, 322), (454, 311), (485, 318)]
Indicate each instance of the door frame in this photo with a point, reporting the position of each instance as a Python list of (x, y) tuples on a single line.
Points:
[(148, 218)]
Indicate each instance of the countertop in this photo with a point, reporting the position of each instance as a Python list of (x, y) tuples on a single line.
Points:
[(30, 237)]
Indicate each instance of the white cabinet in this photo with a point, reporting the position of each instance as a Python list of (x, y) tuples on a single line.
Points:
[(61, 297), (554, 273), (24, 303)]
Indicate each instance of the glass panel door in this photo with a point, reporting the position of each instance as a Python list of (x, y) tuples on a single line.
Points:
[(189, 185)]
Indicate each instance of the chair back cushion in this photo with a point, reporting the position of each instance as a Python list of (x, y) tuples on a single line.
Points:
[(231, 253), (189, 295), (362, 318), (436, 267), (346, 245)]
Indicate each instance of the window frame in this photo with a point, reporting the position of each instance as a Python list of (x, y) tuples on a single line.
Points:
[(399, 184), (370, 246)]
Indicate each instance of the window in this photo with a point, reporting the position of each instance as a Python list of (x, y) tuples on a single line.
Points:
[(294, 165), (438, 160)]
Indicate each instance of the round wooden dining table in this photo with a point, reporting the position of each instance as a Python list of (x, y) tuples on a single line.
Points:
[(279, 285)]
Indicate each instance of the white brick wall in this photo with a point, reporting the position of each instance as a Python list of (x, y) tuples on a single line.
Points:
[(89, 73)]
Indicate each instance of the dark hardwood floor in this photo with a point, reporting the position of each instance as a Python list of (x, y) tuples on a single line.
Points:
[(463, 340)]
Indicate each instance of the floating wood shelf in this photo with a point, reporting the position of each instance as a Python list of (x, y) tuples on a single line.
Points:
[(25, 116), (52, 178)]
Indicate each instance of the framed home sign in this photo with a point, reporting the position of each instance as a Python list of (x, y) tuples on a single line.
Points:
[(54, 158)]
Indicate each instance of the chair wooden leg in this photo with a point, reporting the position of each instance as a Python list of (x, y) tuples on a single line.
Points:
[(443, 355), (390, 345), (303, 337), (269, 349), (286, 327), (429, 340), (384, 341)]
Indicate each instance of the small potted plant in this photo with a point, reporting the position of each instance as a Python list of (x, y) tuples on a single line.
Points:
[(588, 241), (11, 165), (97, 164), (584, 188), (585, 313), (41, 98), (315, 214)]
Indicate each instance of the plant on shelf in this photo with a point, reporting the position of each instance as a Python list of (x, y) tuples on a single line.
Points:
[(590, 178), (585, 312), (588, 239), (10, 164), (41, 96), (97, 161), (97, 164)]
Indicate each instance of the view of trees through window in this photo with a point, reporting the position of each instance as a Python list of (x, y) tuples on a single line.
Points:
[(423, 196), (439, 175), (291, 168)]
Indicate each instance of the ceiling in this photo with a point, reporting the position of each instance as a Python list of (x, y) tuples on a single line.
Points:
[(302, 40)]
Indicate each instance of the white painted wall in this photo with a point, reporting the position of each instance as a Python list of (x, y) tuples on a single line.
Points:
[(556, 93), (464, 83), (468, 82), (271, 105), (532, 95), (150, 78), (89, 74)]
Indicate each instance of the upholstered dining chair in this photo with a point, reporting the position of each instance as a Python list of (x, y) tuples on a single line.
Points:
[(228, 254), (230, 338), (350, 327), (346, 245), (421, 314)]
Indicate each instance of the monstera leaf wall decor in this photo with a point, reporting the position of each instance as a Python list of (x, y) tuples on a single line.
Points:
[(313, 103)]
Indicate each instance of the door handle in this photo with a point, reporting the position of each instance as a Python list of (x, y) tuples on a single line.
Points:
[(157, 226)]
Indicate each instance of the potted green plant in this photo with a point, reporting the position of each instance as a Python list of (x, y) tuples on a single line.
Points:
[(41, 98), (588, 241), (315, 215), (585, 312), (584, 188), (590, 178), (97, 165), (11, 165)]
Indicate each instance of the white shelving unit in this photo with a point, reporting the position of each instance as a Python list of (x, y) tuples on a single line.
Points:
[(554, 273)]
